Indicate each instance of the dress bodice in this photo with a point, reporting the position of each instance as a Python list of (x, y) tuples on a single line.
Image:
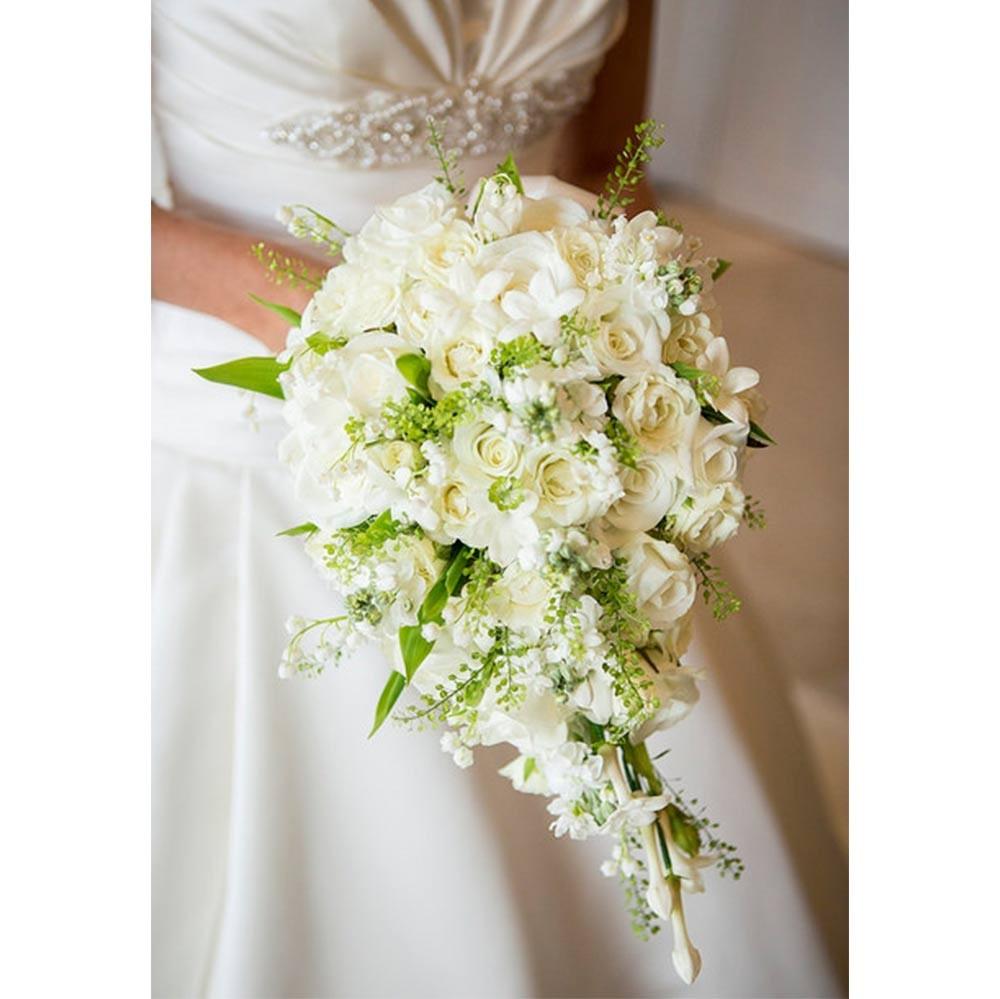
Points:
[(259, 102)]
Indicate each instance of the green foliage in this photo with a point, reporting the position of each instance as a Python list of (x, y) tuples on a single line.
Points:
[(704, 383), (576, 330), (623, 441), (414, 648), (416, 420), (361, 542), (390, 694), (758, 437), (416, 369), (629, 168), (255, 374), (519, 354), (681, 282), (624, 628), (450, 176), (668, 220), (285, 270), (753, 514), (509, 170), (715, 591), (720, 268), (289, 315), (323, 343), (506, 493), (292, 532)]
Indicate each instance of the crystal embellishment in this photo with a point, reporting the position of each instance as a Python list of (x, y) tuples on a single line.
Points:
[(388, 128)]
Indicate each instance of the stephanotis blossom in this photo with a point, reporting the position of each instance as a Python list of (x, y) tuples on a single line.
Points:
[(516, 436)]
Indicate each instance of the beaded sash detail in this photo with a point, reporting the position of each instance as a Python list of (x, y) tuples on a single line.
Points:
[(390, 128)]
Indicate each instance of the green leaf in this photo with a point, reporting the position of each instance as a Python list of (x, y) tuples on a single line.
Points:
[(529, 768), (289, 315), (711, 414), (390, 694), (414, 647), (291, 532), (454, 575), (256, 374), (720, 268), (323, 343), (759, 437), (433, 605), (509, 170), (416, 369)]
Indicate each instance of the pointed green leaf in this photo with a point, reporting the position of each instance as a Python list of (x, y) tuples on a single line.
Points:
[(416, 369), (759, 437), (256, 374), (414, 647), (720, 268), (390, 694), (289, 315), (291, 532), (454, 575), (509, 170)]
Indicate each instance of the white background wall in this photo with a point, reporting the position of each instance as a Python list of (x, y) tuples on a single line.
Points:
[(754, 97)]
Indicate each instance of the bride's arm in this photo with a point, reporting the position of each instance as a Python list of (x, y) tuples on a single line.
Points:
[(597, 134), (210, 269)]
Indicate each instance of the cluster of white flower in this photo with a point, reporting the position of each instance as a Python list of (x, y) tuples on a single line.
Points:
[(516, 434)]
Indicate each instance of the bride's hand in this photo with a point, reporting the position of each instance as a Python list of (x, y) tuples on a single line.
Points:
[(210, 269)]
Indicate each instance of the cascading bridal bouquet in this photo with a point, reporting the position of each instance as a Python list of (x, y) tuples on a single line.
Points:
[(517, 436)]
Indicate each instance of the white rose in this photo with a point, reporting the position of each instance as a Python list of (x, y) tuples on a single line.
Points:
[(717, 452), (581, 249), (544, 214), (627, 343), (498, 207), (563, 485), (459, 356), (484, 453), (659, 409), (367, 372), (440, 251), (688, 339), (520, 599), (710, 517), (454, 504), (652, 489), (661, 578), (352, 300), (424, 310), (396, 231)]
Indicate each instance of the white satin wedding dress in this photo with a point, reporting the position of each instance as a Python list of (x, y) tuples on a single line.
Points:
[(292, 856)]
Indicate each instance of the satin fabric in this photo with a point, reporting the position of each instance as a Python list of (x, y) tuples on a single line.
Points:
[(292, 856)]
